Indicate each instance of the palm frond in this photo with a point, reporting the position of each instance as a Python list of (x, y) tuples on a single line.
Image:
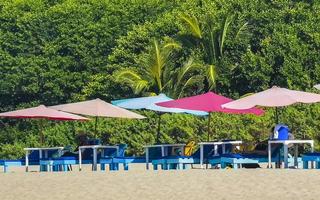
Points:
[(172, 45), (127, 74), (212, 74), (157, 64), (224, 32), (241, 30), (186, 69), (190, 82), (193, 24), (134, 80)]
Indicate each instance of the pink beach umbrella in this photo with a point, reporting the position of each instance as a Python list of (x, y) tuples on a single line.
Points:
[(273, 97), (97, 108), (42, 112), (208, 102)]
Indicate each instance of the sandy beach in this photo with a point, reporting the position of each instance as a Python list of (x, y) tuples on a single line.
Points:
[(141, 184)]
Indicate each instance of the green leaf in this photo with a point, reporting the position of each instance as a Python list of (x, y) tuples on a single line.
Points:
[(193, 24)]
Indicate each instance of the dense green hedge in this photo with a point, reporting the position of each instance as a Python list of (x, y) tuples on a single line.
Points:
[(57, 51)]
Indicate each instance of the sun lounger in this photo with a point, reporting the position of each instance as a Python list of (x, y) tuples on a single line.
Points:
[(33, 158), (114, 158), (311, 157), (239, 159), (7, 163), (68, 158), (184, 162)]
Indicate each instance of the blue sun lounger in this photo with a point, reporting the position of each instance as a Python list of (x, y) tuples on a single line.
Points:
[(65, 162), (311, 157), (109, 154), (33, 158), (281, 132), (183, 162), (114, 160), (236, 160), (8, 163)]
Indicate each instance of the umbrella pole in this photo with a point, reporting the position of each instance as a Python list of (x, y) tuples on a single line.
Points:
[(41, 132), (209, 129), (159, 127), (95, 127), (277, 116)]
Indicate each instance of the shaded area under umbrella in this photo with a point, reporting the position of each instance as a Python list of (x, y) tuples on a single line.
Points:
[(97, 108), (149, 103), (42, 112), (274, 97), (208, 102)]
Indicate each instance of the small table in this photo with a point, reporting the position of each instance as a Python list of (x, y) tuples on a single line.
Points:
[(40, 149), (94, 148), (285, 149), (163, 147), (216, 144)]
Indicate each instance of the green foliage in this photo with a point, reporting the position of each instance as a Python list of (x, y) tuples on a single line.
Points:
[(57, 51)]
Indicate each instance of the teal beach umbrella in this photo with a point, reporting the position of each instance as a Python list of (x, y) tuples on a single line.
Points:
[(149, 103)]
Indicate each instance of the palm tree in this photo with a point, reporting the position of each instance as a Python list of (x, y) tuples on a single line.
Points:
[(211, 40), (158, 74)]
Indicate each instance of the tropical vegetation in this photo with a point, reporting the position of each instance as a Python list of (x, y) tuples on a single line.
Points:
[(58, 51)]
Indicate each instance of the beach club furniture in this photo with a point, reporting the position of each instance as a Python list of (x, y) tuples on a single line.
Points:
[(216, 155), (33, 158), (165, 149), (57, 164), (177, 159), (42, 112), (184, 161), (43, 153), (311, 157), (64, 160), (8, 163), (210, 152), (237, 160), (149, 103), (112, 157), (286, 144), (95, 154), (273, 97), (208, 102), (97, 108)]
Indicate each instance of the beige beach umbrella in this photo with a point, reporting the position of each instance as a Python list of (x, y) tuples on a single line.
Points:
[(273, 97), (97, 108)]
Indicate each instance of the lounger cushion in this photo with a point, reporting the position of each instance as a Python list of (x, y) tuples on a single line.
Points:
[(312, 154)]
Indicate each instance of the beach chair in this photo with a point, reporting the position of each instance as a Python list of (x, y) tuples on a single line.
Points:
[(156, 158), (110, 155), (280, 132), (8, 163), (184, 162), (311, 157), (33, 158), (68, 158), (249, 160)]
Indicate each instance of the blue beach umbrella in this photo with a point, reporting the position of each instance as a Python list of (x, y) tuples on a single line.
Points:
[(149, 103)]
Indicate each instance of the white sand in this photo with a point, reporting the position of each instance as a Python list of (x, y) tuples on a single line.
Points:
[(138, 183)]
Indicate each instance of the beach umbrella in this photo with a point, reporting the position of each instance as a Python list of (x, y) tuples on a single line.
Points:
[(97, 108), (208, 102), (273, 97), (149, 103), (42, 112)]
